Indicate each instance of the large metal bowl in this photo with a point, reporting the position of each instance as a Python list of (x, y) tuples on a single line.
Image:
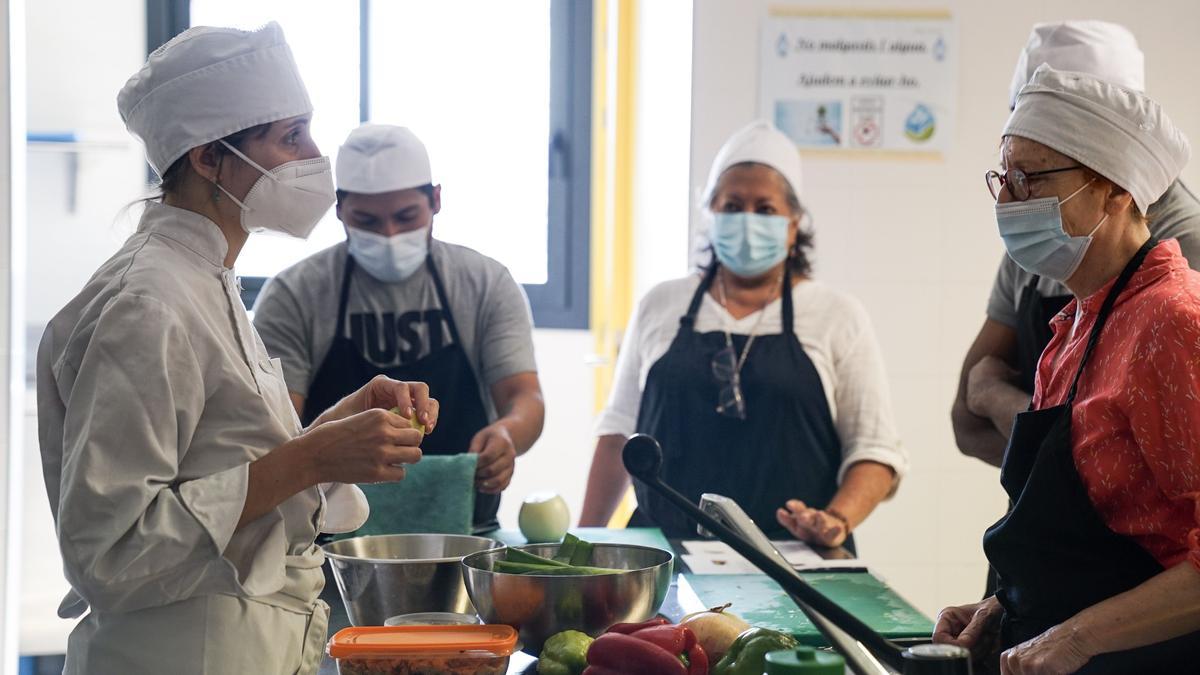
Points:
[(540, 606), (387, 575)]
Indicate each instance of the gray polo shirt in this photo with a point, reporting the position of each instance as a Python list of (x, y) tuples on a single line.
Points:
[(396, 323), (1175, 216)]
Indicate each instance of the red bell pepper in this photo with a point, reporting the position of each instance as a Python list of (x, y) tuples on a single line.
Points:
[(670, 638), (631, 656), (665, 649), (678, 640), (628, 628), (698, 660)]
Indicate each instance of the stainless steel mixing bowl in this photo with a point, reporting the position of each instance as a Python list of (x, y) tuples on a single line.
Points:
[(540, 606), (388, 575)]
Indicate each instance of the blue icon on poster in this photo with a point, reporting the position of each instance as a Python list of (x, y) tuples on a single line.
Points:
[(920, 125)]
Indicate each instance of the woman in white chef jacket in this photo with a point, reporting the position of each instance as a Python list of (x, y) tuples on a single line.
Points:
[(186, 495)]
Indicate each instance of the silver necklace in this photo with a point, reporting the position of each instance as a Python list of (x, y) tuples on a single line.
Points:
[(762, 312)]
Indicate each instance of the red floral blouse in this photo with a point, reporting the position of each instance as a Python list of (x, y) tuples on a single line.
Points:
[(1136, 420)]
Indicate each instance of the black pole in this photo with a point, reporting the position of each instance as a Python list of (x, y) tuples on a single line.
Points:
[(643, 459), (364, 60)]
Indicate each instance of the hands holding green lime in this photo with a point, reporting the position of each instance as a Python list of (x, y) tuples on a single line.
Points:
[(410, 400), (416, 424)]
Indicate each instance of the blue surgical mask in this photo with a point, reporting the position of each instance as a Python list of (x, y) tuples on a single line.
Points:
[(389, 259), (749, 244), (1035, 239)]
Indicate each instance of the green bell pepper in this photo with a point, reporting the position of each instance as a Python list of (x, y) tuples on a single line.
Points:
[(564, 653), (748, 653)]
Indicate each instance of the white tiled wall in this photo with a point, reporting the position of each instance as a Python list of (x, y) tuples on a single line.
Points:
[(561, 457), (914, 240)]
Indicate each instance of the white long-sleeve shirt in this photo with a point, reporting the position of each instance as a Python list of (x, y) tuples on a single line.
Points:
[(834, 331), (154, 395)]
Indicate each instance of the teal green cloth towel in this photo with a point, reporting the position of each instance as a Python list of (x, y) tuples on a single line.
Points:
[(437, 496)]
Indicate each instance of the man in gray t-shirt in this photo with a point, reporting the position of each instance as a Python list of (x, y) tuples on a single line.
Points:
[(396, 323), (392, 300), (996, 381)]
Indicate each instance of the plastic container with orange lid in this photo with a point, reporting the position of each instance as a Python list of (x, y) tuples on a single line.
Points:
[(423, 650)]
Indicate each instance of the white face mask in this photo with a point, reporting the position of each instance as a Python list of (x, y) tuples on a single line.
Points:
[(389, 259), (291, 198)]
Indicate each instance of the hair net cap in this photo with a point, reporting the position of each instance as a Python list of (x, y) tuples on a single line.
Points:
[(208, 83), (1104, 50), (1119, 133), (762, 143), (382, 158)]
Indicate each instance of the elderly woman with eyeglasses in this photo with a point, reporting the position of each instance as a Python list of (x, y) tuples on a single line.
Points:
[(1099, 557), (762, 384)]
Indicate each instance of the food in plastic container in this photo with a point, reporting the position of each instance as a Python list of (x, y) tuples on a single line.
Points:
[(423, 650)]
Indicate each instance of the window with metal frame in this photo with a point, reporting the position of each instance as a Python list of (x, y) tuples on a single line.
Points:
[(351, 65)]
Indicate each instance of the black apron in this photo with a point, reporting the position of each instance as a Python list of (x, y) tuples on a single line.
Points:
[(1034, 313), (786, 448), (446, 370), (1053, 553)]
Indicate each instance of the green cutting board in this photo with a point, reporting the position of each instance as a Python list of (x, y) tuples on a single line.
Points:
[(761, 602), (637, 536)]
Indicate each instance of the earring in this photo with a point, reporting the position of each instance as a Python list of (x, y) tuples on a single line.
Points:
[(216, 194)]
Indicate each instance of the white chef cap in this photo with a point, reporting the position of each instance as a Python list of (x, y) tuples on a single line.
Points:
[(1119, 133), (762, 143), (208, 83), (382, 158), (1104, 50)]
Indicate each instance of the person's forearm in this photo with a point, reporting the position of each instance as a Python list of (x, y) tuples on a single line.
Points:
[(863, 487), (1004, 403), (977, 436), (276, 476), (524, 419), (1161, 608), (607, 482)]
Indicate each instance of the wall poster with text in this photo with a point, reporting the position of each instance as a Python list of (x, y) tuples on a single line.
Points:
[(869, 80)]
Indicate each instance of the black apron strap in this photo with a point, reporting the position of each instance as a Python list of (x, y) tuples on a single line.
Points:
[(789, 327), (1106, 308), (1033, 317), (441, 293), (344, 300), (688, 320)]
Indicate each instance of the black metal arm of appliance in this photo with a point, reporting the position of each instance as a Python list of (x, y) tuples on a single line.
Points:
[(642, 456)]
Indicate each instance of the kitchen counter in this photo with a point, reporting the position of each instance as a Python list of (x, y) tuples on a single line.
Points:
[(763, 602), (521, 662)]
